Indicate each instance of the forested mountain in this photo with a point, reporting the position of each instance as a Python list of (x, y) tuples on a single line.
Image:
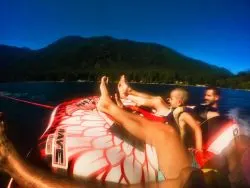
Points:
[(78, 58)]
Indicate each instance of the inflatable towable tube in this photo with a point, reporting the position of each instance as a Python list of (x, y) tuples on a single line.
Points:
[(82, 142)]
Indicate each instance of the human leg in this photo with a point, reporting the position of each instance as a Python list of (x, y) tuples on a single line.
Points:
[(163, 137)]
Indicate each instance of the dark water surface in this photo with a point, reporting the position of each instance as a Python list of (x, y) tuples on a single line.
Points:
[(26, 122)]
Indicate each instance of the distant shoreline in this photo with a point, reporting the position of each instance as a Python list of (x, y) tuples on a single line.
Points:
[(153, 83)]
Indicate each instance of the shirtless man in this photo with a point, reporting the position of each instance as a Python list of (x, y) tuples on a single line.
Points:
[(209, 108)]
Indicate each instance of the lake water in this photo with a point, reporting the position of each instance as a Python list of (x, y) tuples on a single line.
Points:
[(26, 122)]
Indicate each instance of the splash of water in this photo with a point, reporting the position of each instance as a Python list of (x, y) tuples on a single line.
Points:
[(5, 93), (22, 95), (243, 122)]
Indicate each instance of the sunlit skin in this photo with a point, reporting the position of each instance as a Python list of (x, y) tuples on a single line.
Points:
[(162, 108), (164, 139)]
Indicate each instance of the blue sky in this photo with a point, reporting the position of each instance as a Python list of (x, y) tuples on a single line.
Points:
[(217, 32)]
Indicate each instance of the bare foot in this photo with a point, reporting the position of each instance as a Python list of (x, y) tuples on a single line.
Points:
[(105, 101), (123, 87)]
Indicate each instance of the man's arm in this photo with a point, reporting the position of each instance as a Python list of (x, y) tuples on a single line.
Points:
[(139, 94), (142, 99), (190, 121), (155, 102)]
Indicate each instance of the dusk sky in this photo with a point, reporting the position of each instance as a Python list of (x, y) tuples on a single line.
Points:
[(214, 31)]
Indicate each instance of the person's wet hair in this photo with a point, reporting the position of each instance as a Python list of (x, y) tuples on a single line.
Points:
[(215, 90)]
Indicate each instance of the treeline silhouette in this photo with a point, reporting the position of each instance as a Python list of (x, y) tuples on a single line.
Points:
[(75, 58)]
